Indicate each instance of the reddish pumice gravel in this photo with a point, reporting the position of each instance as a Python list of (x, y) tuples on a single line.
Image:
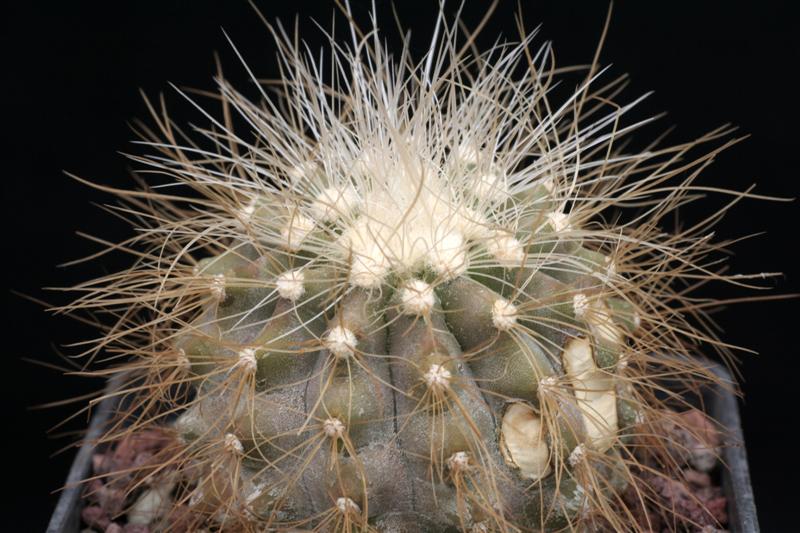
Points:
[(120, 498), (695, 501)]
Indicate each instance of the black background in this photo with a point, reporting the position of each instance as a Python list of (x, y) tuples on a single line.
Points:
[(72, 83)]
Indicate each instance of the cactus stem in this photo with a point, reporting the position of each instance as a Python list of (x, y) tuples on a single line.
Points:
[(416, 289)]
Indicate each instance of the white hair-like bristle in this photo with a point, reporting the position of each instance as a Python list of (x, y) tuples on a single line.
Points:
[(182, 361), (306, 170), (341, 342), (290, 284), (333, 203), (217, 286), (491, 186), (333, 428), (232, 444), (580, 304), (467, 154), (437, 377), (247, 360), (504, 314), (576, 455), (458, 462), (346, 505), (558, 220), (296, 230), (416, 297), (506, 249), (449, 256)]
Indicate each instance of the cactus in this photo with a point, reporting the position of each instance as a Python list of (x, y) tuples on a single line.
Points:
[(418, 297)]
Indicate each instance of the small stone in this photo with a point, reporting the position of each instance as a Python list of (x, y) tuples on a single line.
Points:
[(712, 529), (699, 507), (696, 439), (181, 519), (100, 463), (93, 491), (703, 440), (94, 516), (151, 440), (111, 500), (151, 505), (135, 528), (142, 459), (698, 479)]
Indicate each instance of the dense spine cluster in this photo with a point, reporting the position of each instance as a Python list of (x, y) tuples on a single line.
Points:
[(415, 297)]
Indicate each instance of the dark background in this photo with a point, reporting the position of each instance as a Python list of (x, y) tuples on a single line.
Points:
[(72, 83)]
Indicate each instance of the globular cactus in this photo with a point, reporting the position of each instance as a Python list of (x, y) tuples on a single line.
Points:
[(408, 297)]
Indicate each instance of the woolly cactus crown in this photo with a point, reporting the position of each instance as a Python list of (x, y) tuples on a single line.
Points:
[(414, 294)]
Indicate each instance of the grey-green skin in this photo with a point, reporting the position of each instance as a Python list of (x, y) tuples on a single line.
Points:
[(289, 470)]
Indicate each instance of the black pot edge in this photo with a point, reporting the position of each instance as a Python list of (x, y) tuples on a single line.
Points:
[(723, 407), (66, 516)]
